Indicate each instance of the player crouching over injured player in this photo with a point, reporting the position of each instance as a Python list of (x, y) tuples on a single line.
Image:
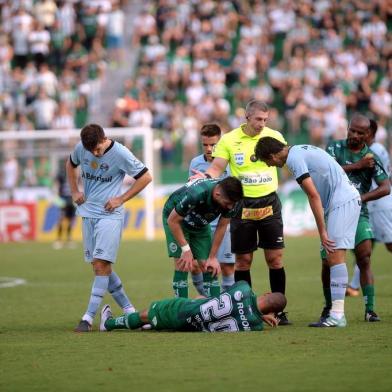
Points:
[(236, 309)]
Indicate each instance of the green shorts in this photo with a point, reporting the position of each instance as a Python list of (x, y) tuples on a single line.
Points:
[(164, 314), (364, 232), (200, 241)]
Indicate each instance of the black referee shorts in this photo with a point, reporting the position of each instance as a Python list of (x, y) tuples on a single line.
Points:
[(259, 224)]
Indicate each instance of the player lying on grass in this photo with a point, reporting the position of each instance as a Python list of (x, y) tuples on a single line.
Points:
[(236, 309)]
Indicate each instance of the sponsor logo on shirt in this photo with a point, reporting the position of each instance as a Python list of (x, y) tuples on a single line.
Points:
[(93, 177), (244, 320)]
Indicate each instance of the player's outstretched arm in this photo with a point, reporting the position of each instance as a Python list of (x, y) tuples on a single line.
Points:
[(217, 167)]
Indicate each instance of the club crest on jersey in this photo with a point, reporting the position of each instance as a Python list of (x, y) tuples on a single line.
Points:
[(239, 158), (173, 247), (94, 165), (104, 166), (238, 295)]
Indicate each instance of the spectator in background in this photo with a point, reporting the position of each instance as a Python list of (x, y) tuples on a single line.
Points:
[(115, 33), (63, 118), (39, 40), (44, 109), (44, 172), (9, 175), (29, 174)]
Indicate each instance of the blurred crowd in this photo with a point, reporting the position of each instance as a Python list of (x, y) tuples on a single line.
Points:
[(53, 56), (313, 61)]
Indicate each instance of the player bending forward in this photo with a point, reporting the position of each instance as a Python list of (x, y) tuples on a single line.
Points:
[(236, 309)]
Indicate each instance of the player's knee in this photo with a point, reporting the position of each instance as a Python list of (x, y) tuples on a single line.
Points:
[(227, 269), (363, 261), (102, 268), (243, 262), (275, 261)]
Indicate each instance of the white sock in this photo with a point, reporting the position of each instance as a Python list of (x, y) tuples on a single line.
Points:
[(339, 279)]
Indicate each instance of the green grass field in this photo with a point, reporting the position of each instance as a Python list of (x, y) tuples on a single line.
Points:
[(39, 351)]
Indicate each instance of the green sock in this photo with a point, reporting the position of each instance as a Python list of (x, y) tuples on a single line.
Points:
[(180, 284), (215, 287), (126, 321), (211, 285), (327, 296), (368, 297)]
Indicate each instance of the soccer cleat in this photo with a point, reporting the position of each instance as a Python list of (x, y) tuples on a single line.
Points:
[(282, 318), (331, 322), (351, 292), (106, 313), (371, 316), (83, 326), (324, 315)]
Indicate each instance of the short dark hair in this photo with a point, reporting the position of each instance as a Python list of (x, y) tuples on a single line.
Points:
[(360, 120), (266, 146), (274, 302), (232, 188), (254, 105), (91, 135), (210, 130), (373, 126)]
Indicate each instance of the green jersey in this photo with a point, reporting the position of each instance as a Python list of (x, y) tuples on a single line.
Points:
[(194, 202), (361, 179), (233, 310)]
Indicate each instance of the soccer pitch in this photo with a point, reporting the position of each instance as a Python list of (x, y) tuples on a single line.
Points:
[(39, 351)]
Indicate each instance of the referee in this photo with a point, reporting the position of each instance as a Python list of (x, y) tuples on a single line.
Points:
[(259, 221)]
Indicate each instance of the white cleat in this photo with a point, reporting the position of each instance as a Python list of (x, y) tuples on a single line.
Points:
[(106, 313)]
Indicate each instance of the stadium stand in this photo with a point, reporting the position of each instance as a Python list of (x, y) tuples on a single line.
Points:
[(313, 62)]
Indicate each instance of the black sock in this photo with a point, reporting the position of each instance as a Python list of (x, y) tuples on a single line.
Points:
[(243, 275), (277, 280)]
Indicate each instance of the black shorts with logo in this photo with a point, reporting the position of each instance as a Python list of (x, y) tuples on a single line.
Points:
[(259, 224)]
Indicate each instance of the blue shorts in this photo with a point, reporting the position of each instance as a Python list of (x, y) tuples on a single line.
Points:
[(114, 41), (101, 238), (224, 254), (381, 222), (342, 223)]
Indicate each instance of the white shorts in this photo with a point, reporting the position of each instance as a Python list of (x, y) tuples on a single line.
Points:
[(224, 254), (342, 224), (381, 222), (101, 238)]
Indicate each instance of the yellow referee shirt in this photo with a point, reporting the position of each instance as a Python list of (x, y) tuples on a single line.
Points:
[(238, 149)]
